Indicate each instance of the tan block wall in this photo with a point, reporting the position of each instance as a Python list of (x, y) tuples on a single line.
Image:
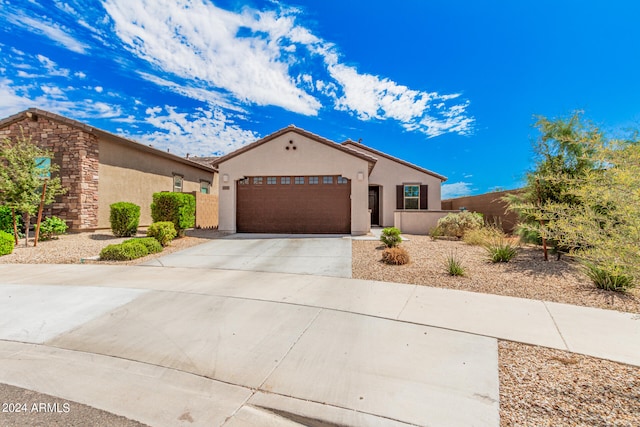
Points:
[(490, 205), (206, 210), (77, 153), (309, 158), (129, 175)]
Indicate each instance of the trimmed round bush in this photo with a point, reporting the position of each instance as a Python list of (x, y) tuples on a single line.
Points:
[(124, 218), (395, 256), (391, 237), (7, 242), (152, 245), (124, 251), (164, 232)]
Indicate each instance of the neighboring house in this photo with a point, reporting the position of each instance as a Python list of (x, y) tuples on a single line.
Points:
[(491, 205), (293, 181), (99, 168)]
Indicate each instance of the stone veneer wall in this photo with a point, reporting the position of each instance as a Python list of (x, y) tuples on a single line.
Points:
[(76, 152)]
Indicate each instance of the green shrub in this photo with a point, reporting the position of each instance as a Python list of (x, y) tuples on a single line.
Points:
[(164, 232), (500, 250), (609, 278), (482, 236), (179, 208), (457, 224), (435, 232), (391, 237), (51, 227), (152, 245), (124, 218), (395, 256), (6, 243), (453, 265), (6, 221), (124, 251)]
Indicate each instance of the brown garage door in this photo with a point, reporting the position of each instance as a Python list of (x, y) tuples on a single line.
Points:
[(294, 204)]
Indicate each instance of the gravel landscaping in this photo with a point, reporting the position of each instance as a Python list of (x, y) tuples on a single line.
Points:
[(77, 248), (528, 275)]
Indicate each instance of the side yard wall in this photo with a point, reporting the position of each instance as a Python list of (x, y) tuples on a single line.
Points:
[(206, 210), (490, 205), (417, 222)]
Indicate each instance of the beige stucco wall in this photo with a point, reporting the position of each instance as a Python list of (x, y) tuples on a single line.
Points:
[(388, 173), (129, 175), (418, 222), (309, 158)]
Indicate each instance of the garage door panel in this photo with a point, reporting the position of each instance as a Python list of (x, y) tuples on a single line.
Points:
[(294, 208)]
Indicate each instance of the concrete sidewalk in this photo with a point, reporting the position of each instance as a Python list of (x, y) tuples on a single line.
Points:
[(178, 346)]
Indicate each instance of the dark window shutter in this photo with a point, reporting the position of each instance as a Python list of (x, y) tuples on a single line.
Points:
[(399, 197), (423, 197)]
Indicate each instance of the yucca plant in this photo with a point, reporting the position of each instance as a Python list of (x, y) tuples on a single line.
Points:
[(453, 265), (500, 250)]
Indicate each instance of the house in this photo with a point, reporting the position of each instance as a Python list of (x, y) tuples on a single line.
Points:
[(294, 181), (99, 168)]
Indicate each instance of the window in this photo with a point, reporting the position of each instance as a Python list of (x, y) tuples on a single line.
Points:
[(243, 181), (205, 187), (285, 180), (313, 180), (411, 196), (177, 183), (257, 180), (327, 180), (299, 180), (342, 180), (44, 165), (271, 180)]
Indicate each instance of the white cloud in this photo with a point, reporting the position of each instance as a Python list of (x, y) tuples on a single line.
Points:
[(202, 132), (52, 68), (199, 41), (80, 74), (456, 189), (54, 31), (98, 89)]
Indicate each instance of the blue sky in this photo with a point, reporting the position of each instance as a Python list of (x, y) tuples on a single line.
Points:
[(452, 86)]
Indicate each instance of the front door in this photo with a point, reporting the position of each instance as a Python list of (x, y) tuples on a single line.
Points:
[(374, 205)]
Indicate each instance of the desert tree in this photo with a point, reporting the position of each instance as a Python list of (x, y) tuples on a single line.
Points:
[(25, 168)]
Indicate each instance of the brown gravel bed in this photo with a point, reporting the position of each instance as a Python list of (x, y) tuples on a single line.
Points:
[(546, 387), (75, 248), (60, 412), (525, 276)]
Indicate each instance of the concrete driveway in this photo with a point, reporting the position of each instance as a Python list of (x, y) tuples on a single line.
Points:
[(320, 255)]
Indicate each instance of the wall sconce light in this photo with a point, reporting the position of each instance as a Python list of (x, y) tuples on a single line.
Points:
[(225, 177), (360, 176)]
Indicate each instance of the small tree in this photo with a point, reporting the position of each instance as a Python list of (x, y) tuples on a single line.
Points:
[(25, 168), (178, 208)]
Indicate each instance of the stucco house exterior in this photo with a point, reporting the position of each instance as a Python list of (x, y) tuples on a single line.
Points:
[(294, 181), (99, 168)]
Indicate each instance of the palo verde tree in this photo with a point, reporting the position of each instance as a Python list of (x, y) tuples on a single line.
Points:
[(604, 226), (25, 168), (564, 153)]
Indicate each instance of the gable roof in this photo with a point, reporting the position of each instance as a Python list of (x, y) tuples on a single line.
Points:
[(394, 159), (35, 112), (291, 128)]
